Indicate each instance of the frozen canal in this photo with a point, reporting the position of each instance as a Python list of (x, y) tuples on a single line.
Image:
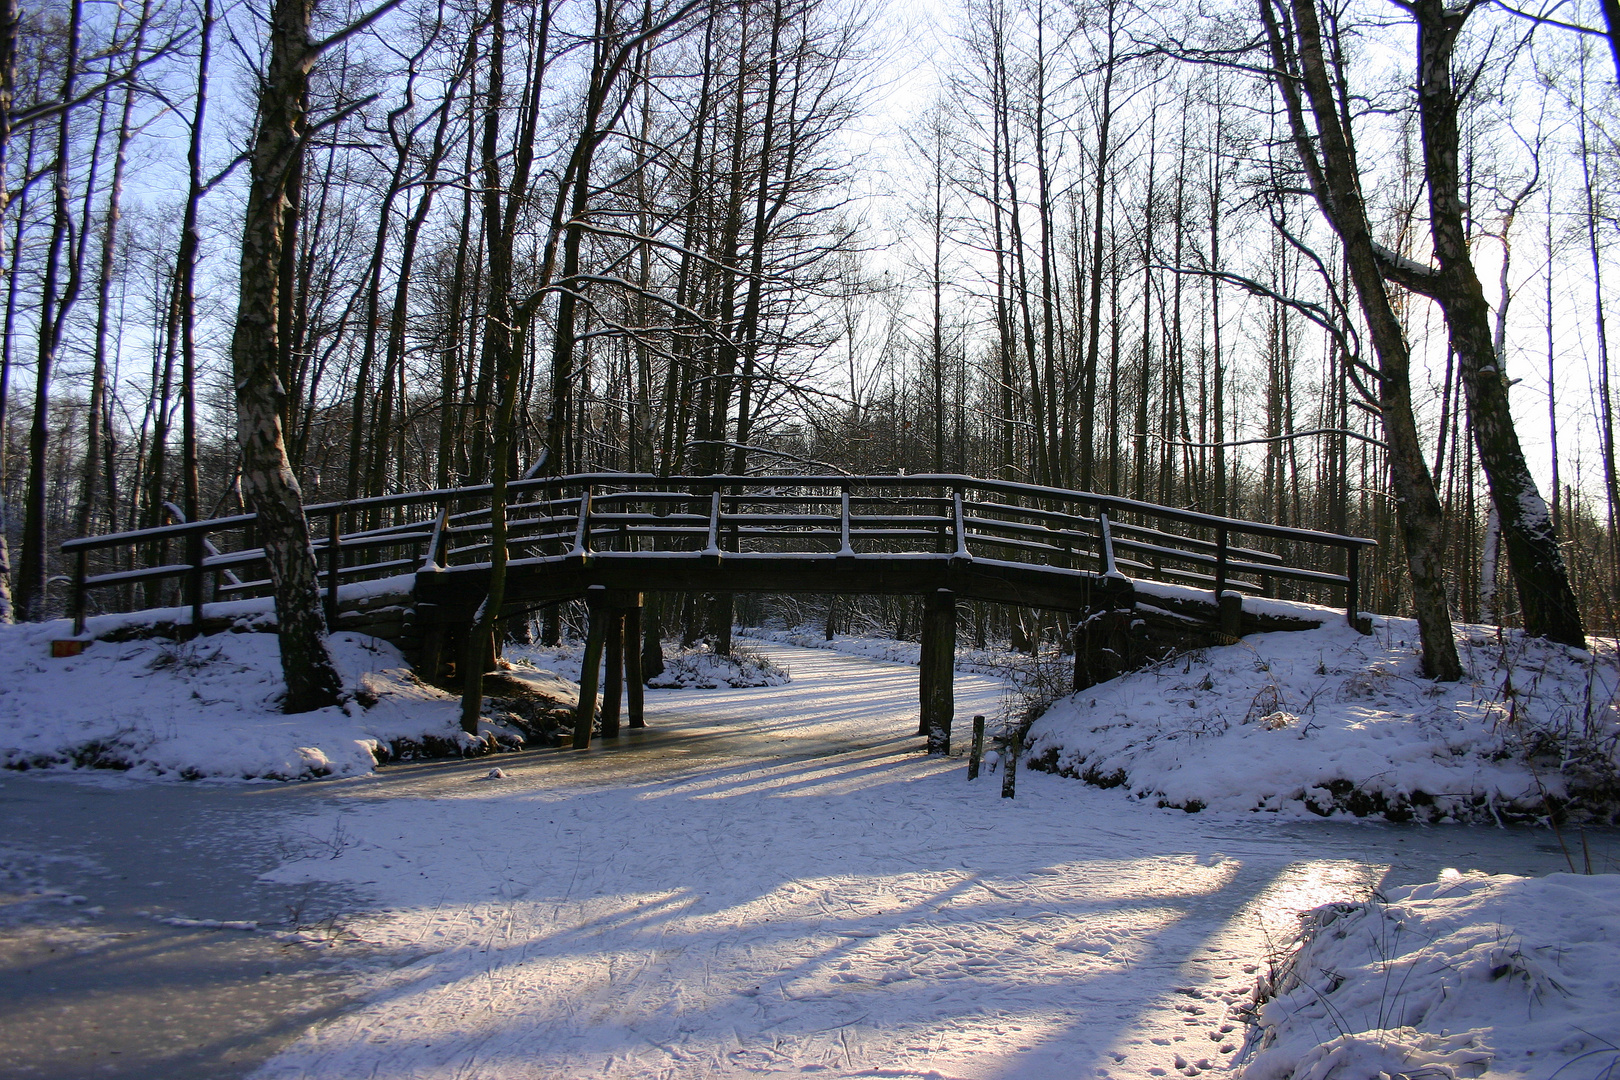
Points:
[(765, 881)]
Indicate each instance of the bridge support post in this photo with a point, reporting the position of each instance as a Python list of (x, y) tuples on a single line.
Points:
[(429, 658), (613, 681), (595, 634), (1102, 639), (1231, 613), (936, 670), (633, 678)]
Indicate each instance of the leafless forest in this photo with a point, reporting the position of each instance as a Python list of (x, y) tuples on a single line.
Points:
[(1338, 265)]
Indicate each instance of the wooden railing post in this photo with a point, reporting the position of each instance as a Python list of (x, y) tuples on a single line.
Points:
[(712, 548), (1220, 564), (194, 579), (582, 525), (334, 557), (961, 551), (1352, 588), (433, 559), (845, 551), (1105, 541), (80, 572)]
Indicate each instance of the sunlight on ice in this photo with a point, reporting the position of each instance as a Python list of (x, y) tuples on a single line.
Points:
[(1304, 886)]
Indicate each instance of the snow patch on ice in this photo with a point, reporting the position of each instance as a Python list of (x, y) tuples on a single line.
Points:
[(702, 669), (684, 668), (1004, 663), (210, 924)]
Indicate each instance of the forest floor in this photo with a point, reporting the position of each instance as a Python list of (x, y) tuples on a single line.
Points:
[(775, 880)]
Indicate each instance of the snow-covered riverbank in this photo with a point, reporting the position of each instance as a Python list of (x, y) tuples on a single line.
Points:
[(1330, 721), (1468, 975), (206, 708)]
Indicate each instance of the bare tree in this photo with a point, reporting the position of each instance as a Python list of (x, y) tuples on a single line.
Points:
[(8, 82), (59, 290)]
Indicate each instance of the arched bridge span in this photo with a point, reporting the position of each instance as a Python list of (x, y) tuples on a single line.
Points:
[(612, 536)]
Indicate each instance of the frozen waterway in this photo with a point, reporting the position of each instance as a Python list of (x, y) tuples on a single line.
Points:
[(769, 880), (94, 983), (776, 880)]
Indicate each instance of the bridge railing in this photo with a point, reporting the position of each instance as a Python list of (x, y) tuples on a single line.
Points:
[(603, 515)]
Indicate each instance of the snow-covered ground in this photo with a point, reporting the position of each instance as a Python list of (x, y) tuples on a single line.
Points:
[(776, 880), (1330, 721)]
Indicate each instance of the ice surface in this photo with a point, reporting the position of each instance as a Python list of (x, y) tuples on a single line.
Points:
[(777, 880)]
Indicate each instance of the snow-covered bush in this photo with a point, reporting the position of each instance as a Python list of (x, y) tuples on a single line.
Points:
[(702, 669)]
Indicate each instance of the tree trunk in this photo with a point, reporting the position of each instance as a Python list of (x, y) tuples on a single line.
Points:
[(1328, 160), (8, 80), (268, 483), (189, 244), (95, 430), (55, 301), (1542, 582)]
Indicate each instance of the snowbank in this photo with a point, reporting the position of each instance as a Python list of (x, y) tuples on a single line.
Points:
[(1001, 662), (1329, 721), (1471, 975), (209, 708), (700, 669), (684, 669)]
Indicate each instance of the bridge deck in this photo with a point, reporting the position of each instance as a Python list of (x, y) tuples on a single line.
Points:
[(458, 590)]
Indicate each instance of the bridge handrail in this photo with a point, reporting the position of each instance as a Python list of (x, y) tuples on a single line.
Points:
[(949, 513), (440, 495)]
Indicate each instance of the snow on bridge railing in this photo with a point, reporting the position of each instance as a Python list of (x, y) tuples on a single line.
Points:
[(617, 515)]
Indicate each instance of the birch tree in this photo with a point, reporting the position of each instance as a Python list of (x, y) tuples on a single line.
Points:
[(269, 226)]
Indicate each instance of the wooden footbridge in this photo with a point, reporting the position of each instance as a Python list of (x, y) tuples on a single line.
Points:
[(610, 537)]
